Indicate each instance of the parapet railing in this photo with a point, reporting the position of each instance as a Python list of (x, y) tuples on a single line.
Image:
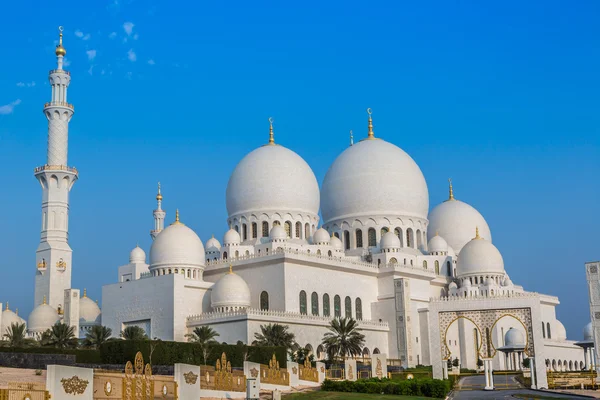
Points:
[(55, 168), (59, 103)]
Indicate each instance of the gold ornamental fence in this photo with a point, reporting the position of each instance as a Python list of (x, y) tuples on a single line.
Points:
[(565, 380), (24, 391), (307, 372), (273, 375), (221, 377)]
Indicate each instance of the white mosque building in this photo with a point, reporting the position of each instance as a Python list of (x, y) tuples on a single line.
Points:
[(425, 285)]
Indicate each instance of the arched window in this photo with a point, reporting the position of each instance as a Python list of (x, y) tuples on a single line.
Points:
[(237, 253), (276, 223), (265, 229), (543, 330), (358, 306), (437, 267), (336, 234), (419, 239), (359, 239), (326, 311), (348, 307), (384, 230), (254, 230), (376, 350), (337, 306), (409, 238), (224, 255), (264, 300), (237, 229), (372, 237), (288, 229), (302, 302), (298, 230), (319, 252), (548, 330), (425, 264), (329, 253), (346, 240), (306, 231), (398, 233), (244, 232), (314, 303), (449, 268)]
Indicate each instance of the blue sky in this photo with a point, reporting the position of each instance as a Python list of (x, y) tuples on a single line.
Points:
[(501, 97)]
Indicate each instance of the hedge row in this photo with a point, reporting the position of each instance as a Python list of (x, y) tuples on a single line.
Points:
[(415, 387), (82, 356), (169, 353)]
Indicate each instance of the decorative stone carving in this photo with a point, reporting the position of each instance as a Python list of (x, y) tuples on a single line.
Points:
[(74, 385), (190, 378)]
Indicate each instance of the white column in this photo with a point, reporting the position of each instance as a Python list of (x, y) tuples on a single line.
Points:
[(532, 369), (487, 376), (491, 373)]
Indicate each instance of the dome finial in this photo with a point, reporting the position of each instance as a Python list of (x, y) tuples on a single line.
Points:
[(7, 305), (271, 136), (84, 292), (351, 138), (60, 50), (477, 233), (437, 233), (159, 195), (231, 268), (450, 190), (44, 302), (177, 216), (17, 311), (371, 134)]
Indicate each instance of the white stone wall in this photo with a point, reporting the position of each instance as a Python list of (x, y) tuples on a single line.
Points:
[(54, 385)]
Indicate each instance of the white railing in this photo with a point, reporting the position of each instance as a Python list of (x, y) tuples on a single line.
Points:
[(483, 296), (251, 312)]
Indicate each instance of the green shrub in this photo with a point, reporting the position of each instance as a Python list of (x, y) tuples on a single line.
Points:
[(82, 356), (169, 353), (412, 387)]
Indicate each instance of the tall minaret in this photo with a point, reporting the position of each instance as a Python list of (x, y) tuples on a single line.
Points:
[(159, 216), (54, 253)]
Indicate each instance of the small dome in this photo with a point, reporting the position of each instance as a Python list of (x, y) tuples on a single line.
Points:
[(321, 236), (558, 330), (213, 245), (437, 244), (177, 245), (89, 312), (490, 282), (231, 237), (514, 337), (137, 256), (390, 241), (466, 282), (336, 243), (506, 281), (455, 221), (42, 318), (478, 257), (452, 285), (230, 291), (588, 332), (8, 318), (272, 179), (278, 233)]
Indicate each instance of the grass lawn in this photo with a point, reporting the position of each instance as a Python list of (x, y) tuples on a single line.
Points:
[(353, 396)]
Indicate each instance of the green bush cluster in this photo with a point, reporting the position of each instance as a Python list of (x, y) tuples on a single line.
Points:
[(419, 374), (413, 387), (169, 353), (82, 356)]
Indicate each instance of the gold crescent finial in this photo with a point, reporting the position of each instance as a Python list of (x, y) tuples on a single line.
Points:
[(371, 133), (177, 215), (450, 189), (159, 194), (60, 50), (44, 302), (231, 268), (477, 233), (271, 136), (84, 292)]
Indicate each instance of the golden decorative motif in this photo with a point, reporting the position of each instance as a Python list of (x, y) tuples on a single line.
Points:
[(307, 372), (129, 368), (379, 369), (61, 263), (272, 374), (42, 264), (371, 134), (271, 136), (159, 195), (74, 385), (190, 378), (254, 372), (294, 370), (139, 363), (451, 194), (350, 373), (60, 50), (477, 233), (27, 397), (224, 379), (44, 301), (177, 221), (322, 370), (108, 388)]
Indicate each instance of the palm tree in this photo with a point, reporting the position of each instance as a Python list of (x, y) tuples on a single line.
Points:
[(204, 336), (343, 339), (15, 336), (134, 333), (275, 335), (62, 336), (96, 336)]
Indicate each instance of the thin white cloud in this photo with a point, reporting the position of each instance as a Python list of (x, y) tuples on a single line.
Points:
[(87, 36), (81, 35), (90, 71), (151, 62), (91, 54), (136, 36), (78, 33), (128, 28), (9, 108), (131, 55), (26, 84), (66, 62), (112, 35)]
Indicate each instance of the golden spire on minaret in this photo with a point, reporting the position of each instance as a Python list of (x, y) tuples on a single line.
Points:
[(450, 190), (271, 136), (371, 134), (159, 195), (60, 50)]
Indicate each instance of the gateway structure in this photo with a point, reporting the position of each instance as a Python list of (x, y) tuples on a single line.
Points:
[(425, 285)]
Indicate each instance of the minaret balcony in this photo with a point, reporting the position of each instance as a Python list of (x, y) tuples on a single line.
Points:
[(55, 168), (55, 71), (59, 104)]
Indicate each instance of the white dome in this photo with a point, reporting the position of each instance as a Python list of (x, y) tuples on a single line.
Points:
[(456, 221), (137, 256), (588, 332), (514, 337), (480, 257), (389, 241), (336, 243), (8, 318), (230, 291), (558, 331), (506, 281), (321, 236), (231, 237), (42, 318), (490, 281), (452, 285), (177, 245), (278, 233), (373, 178), (272, 178), (89, 312), (213, 244), (466, 283), (437, 244)]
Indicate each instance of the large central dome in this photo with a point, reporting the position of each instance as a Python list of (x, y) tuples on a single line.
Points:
[(272, 179), (374, 178)]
